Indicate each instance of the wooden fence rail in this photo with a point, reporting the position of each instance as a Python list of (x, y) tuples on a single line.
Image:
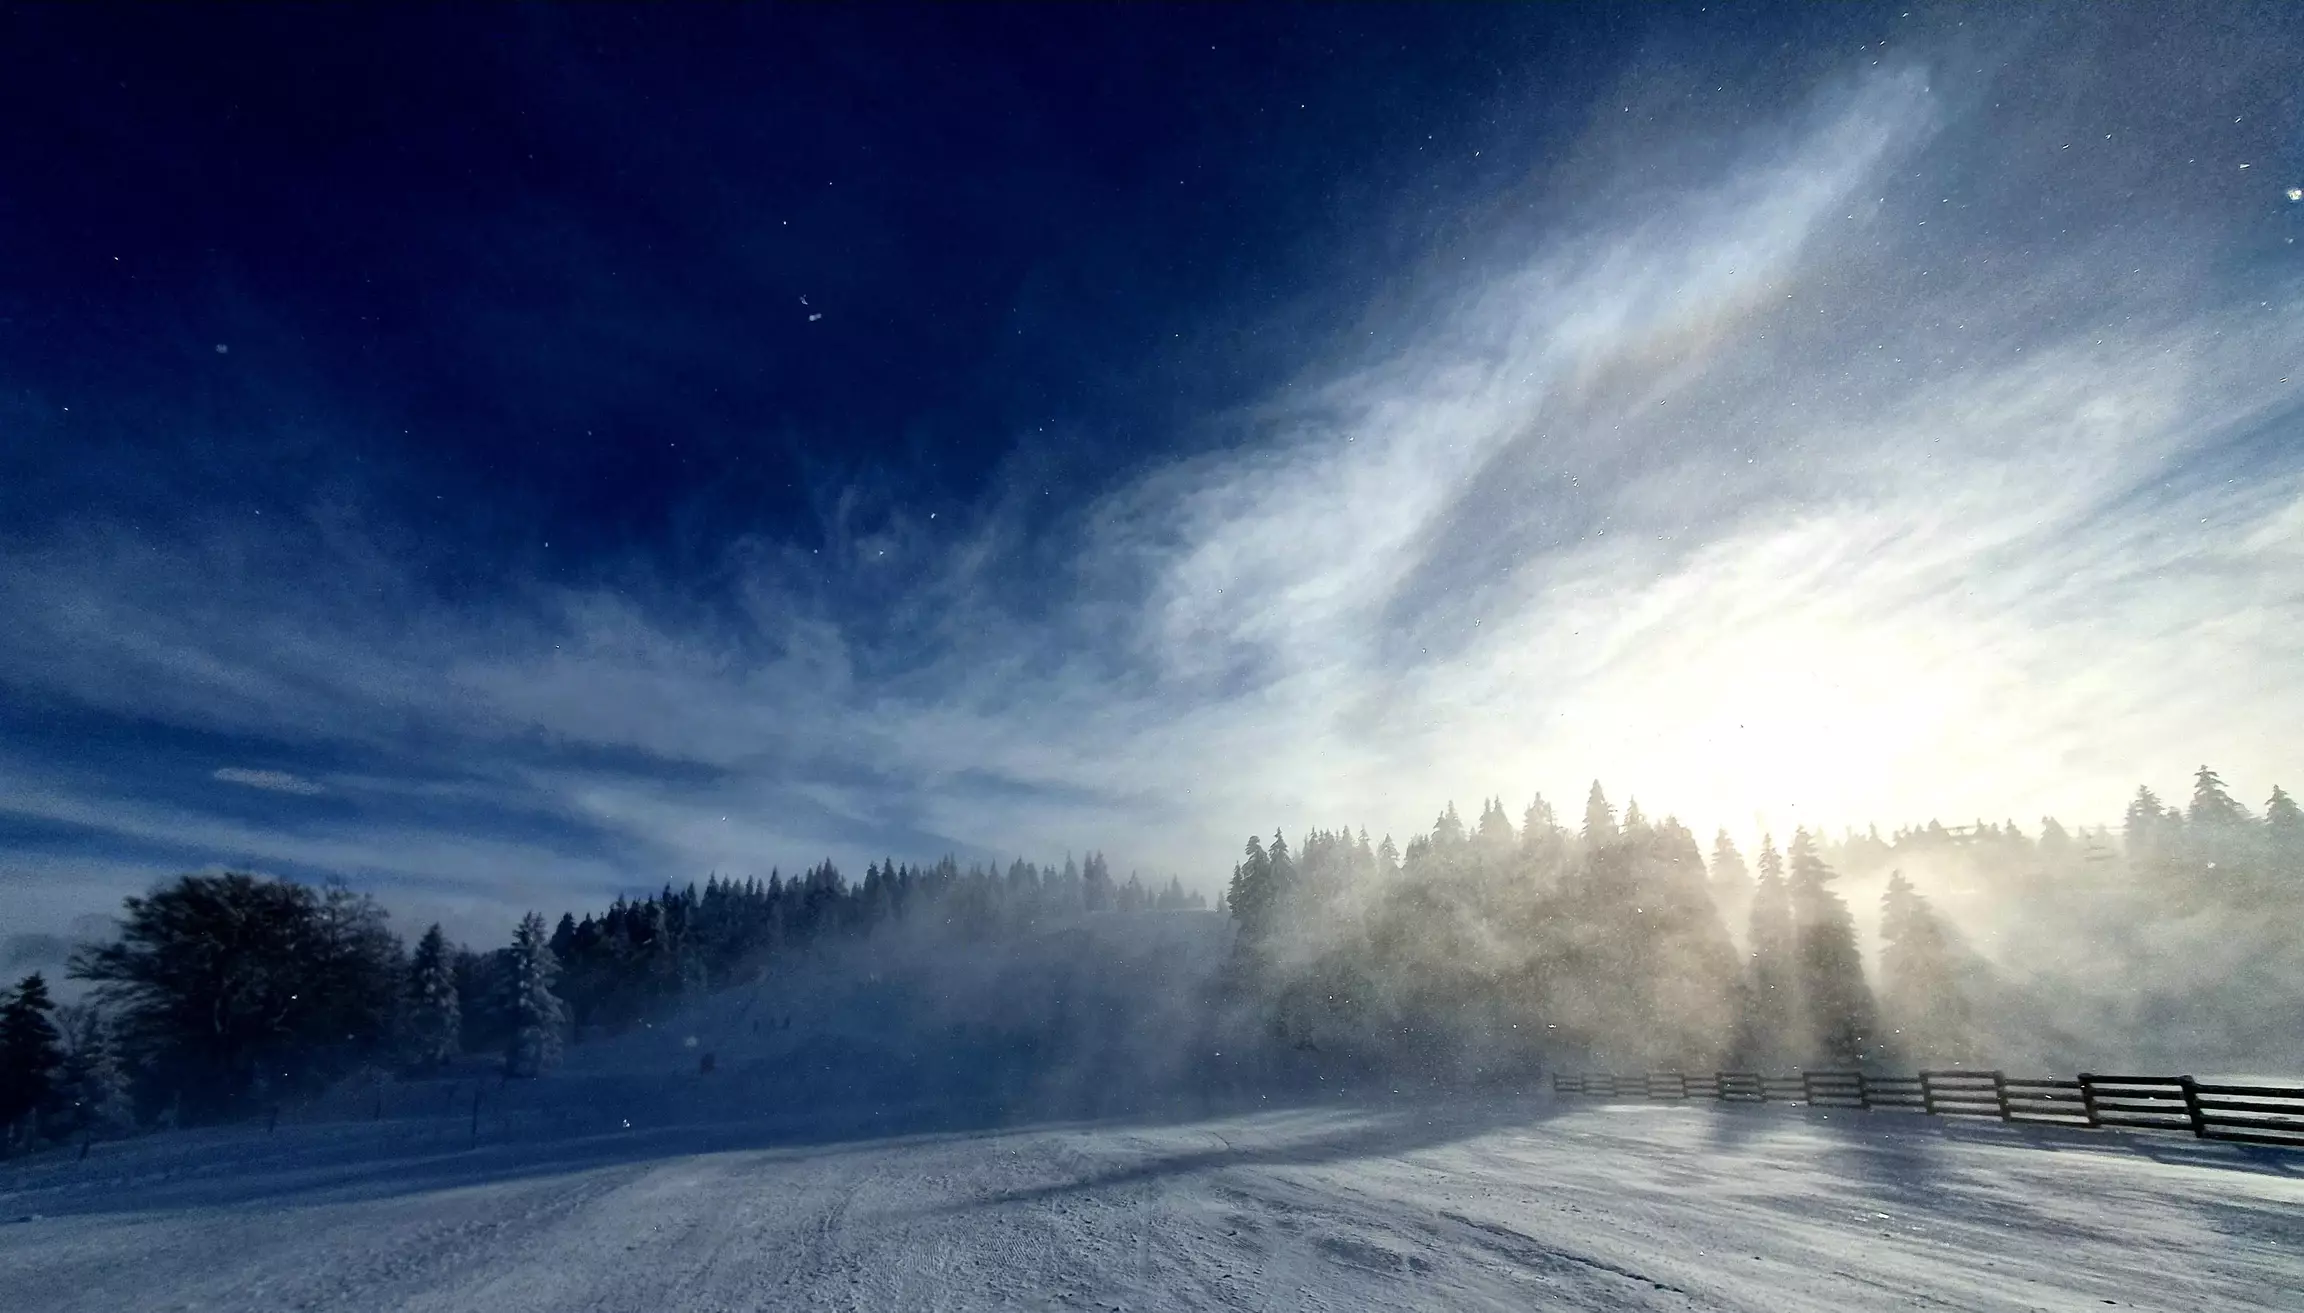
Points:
[(2252, 1114)]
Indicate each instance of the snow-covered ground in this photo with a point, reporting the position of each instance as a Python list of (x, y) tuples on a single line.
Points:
[(1465, 1202)]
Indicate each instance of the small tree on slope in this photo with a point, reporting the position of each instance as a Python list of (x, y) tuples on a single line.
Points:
[(534, 1011)]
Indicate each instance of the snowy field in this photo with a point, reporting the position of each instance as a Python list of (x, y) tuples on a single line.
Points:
[(1518, 1203)]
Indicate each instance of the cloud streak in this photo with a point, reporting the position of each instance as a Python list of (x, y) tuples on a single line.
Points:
[(273, 781)]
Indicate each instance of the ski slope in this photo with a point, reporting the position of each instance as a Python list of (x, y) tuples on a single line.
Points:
[(1475, 1203)]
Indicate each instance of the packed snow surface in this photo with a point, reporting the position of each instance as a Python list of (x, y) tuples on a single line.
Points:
[(1435, 1202)]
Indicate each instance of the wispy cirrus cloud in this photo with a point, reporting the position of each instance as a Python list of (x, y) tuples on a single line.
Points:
[(271, 781)]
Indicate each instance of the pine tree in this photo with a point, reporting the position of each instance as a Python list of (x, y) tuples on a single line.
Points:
[(1841, 1021), (1920, 991), (2284, 832), (1284, 868), (1252, 896), (1096, 884), (1731, 880), (1772, 998), (1635, 820), (2140, 828), (1599, 818), (2223, 835), (2056, 846), (534, 1011), (434, 1026), (2212, 807), (1495, 833), (1448, 831), (30, 1054)]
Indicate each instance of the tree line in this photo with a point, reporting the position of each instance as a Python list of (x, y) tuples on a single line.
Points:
[(223, 994), (1491, 944), (1480, 944)]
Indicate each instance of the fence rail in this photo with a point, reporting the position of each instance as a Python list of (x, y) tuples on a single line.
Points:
[(2250, 1114)]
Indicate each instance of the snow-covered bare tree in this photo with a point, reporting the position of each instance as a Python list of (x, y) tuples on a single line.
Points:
[(92, 1094)]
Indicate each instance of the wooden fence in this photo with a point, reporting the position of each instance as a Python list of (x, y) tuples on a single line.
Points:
[(2251, 1114)]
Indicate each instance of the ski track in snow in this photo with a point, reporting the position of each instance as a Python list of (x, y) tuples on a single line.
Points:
[(1518, 1203)]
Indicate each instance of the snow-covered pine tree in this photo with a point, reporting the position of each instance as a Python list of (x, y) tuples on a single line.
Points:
[(1284, 874), (1842, 1021), (2212, 805), (1251, 896), (1096, 884), (1697, 987), (2140, 829), (1920, 994), (1731, 880), (534, 1012), (1599, 818), (30, 1053), (2284, 833), (1495, 835), (1448, 831), (2056, 847), (2223, 834), (1772, 988), (432, 1026)]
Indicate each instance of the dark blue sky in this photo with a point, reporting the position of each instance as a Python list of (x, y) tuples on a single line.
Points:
[(537, 274), (504, 455)]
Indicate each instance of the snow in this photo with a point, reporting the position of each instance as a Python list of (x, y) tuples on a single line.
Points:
[(884, 1129), (1461, 1202)]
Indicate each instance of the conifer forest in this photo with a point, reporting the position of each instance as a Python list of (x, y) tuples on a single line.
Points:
[(1486, 948)]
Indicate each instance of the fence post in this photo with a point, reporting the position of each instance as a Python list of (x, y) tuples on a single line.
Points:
[(2088, 1097), (1928, 1093), (1863, 1092), (1763, 1080), (1720, 1085), (2000, 1095), (1808, 1087), (2192, 1108), (1682, 1077)]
